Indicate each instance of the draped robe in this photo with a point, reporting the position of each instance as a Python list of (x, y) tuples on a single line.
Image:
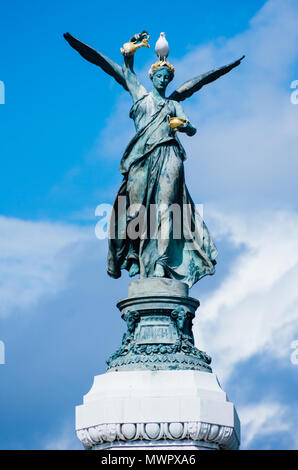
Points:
[(142, 228)]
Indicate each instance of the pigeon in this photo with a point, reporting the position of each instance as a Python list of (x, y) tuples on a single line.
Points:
[(139, 36), (162, 47)]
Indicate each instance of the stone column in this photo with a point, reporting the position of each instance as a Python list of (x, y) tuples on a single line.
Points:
[(159, 391)]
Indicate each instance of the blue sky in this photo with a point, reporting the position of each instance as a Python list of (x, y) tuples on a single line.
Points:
[(64, 127)]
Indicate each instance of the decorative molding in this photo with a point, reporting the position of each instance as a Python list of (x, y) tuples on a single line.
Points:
[(158, 339), (224, 436), (180, 355), (166, 299)]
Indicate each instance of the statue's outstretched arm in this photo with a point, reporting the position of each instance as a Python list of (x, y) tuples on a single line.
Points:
[(95, 57), (134, 86), (191, 86)]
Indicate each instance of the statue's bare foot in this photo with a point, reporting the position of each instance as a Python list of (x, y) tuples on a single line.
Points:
[(159, 271), (134, 269)]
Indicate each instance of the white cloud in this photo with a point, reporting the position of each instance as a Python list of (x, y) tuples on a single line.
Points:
[(244, 153), (34, 260), (262, 419), (64, 439), (244, 160), (255, 308)]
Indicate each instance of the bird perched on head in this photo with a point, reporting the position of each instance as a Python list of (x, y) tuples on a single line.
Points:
[(162, 47)]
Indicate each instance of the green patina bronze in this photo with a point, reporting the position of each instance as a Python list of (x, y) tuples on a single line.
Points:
[(153, 174), (160, 342), (158, 314), (158, 336)]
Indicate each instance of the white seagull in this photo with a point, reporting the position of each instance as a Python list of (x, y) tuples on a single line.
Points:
[(162, 47)]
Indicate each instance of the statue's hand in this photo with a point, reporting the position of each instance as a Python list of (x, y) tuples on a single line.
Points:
[(187, 128)]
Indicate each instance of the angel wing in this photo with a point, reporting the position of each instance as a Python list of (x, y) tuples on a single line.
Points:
[(191, 86), (95, 57)]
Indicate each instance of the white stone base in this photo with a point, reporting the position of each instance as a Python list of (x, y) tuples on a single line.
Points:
[(168, 409)]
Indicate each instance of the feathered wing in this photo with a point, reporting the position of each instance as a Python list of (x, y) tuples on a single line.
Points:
[(95, 57), (191, 86)]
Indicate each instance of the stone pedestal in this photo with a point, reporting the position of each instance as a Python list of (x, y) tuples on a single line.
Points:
[(159, 314), (157, 409), (159, 391)]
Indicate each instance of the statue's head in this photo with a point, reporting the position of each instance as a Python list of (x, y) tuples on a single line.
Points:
[(161, 74), (131, 318), (180, 315)]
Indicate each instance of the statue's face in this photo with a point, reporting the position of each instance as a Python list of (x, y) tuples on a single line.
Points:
[(130, 321), (161, 78), (180, 321)]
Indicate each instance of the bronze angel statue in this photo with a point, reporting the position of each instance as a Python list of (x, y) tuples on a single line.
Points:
[(153, 173)]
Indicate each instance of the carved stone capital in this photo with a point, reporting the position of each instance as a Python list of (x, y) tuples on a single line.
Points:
[(223, 437)]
